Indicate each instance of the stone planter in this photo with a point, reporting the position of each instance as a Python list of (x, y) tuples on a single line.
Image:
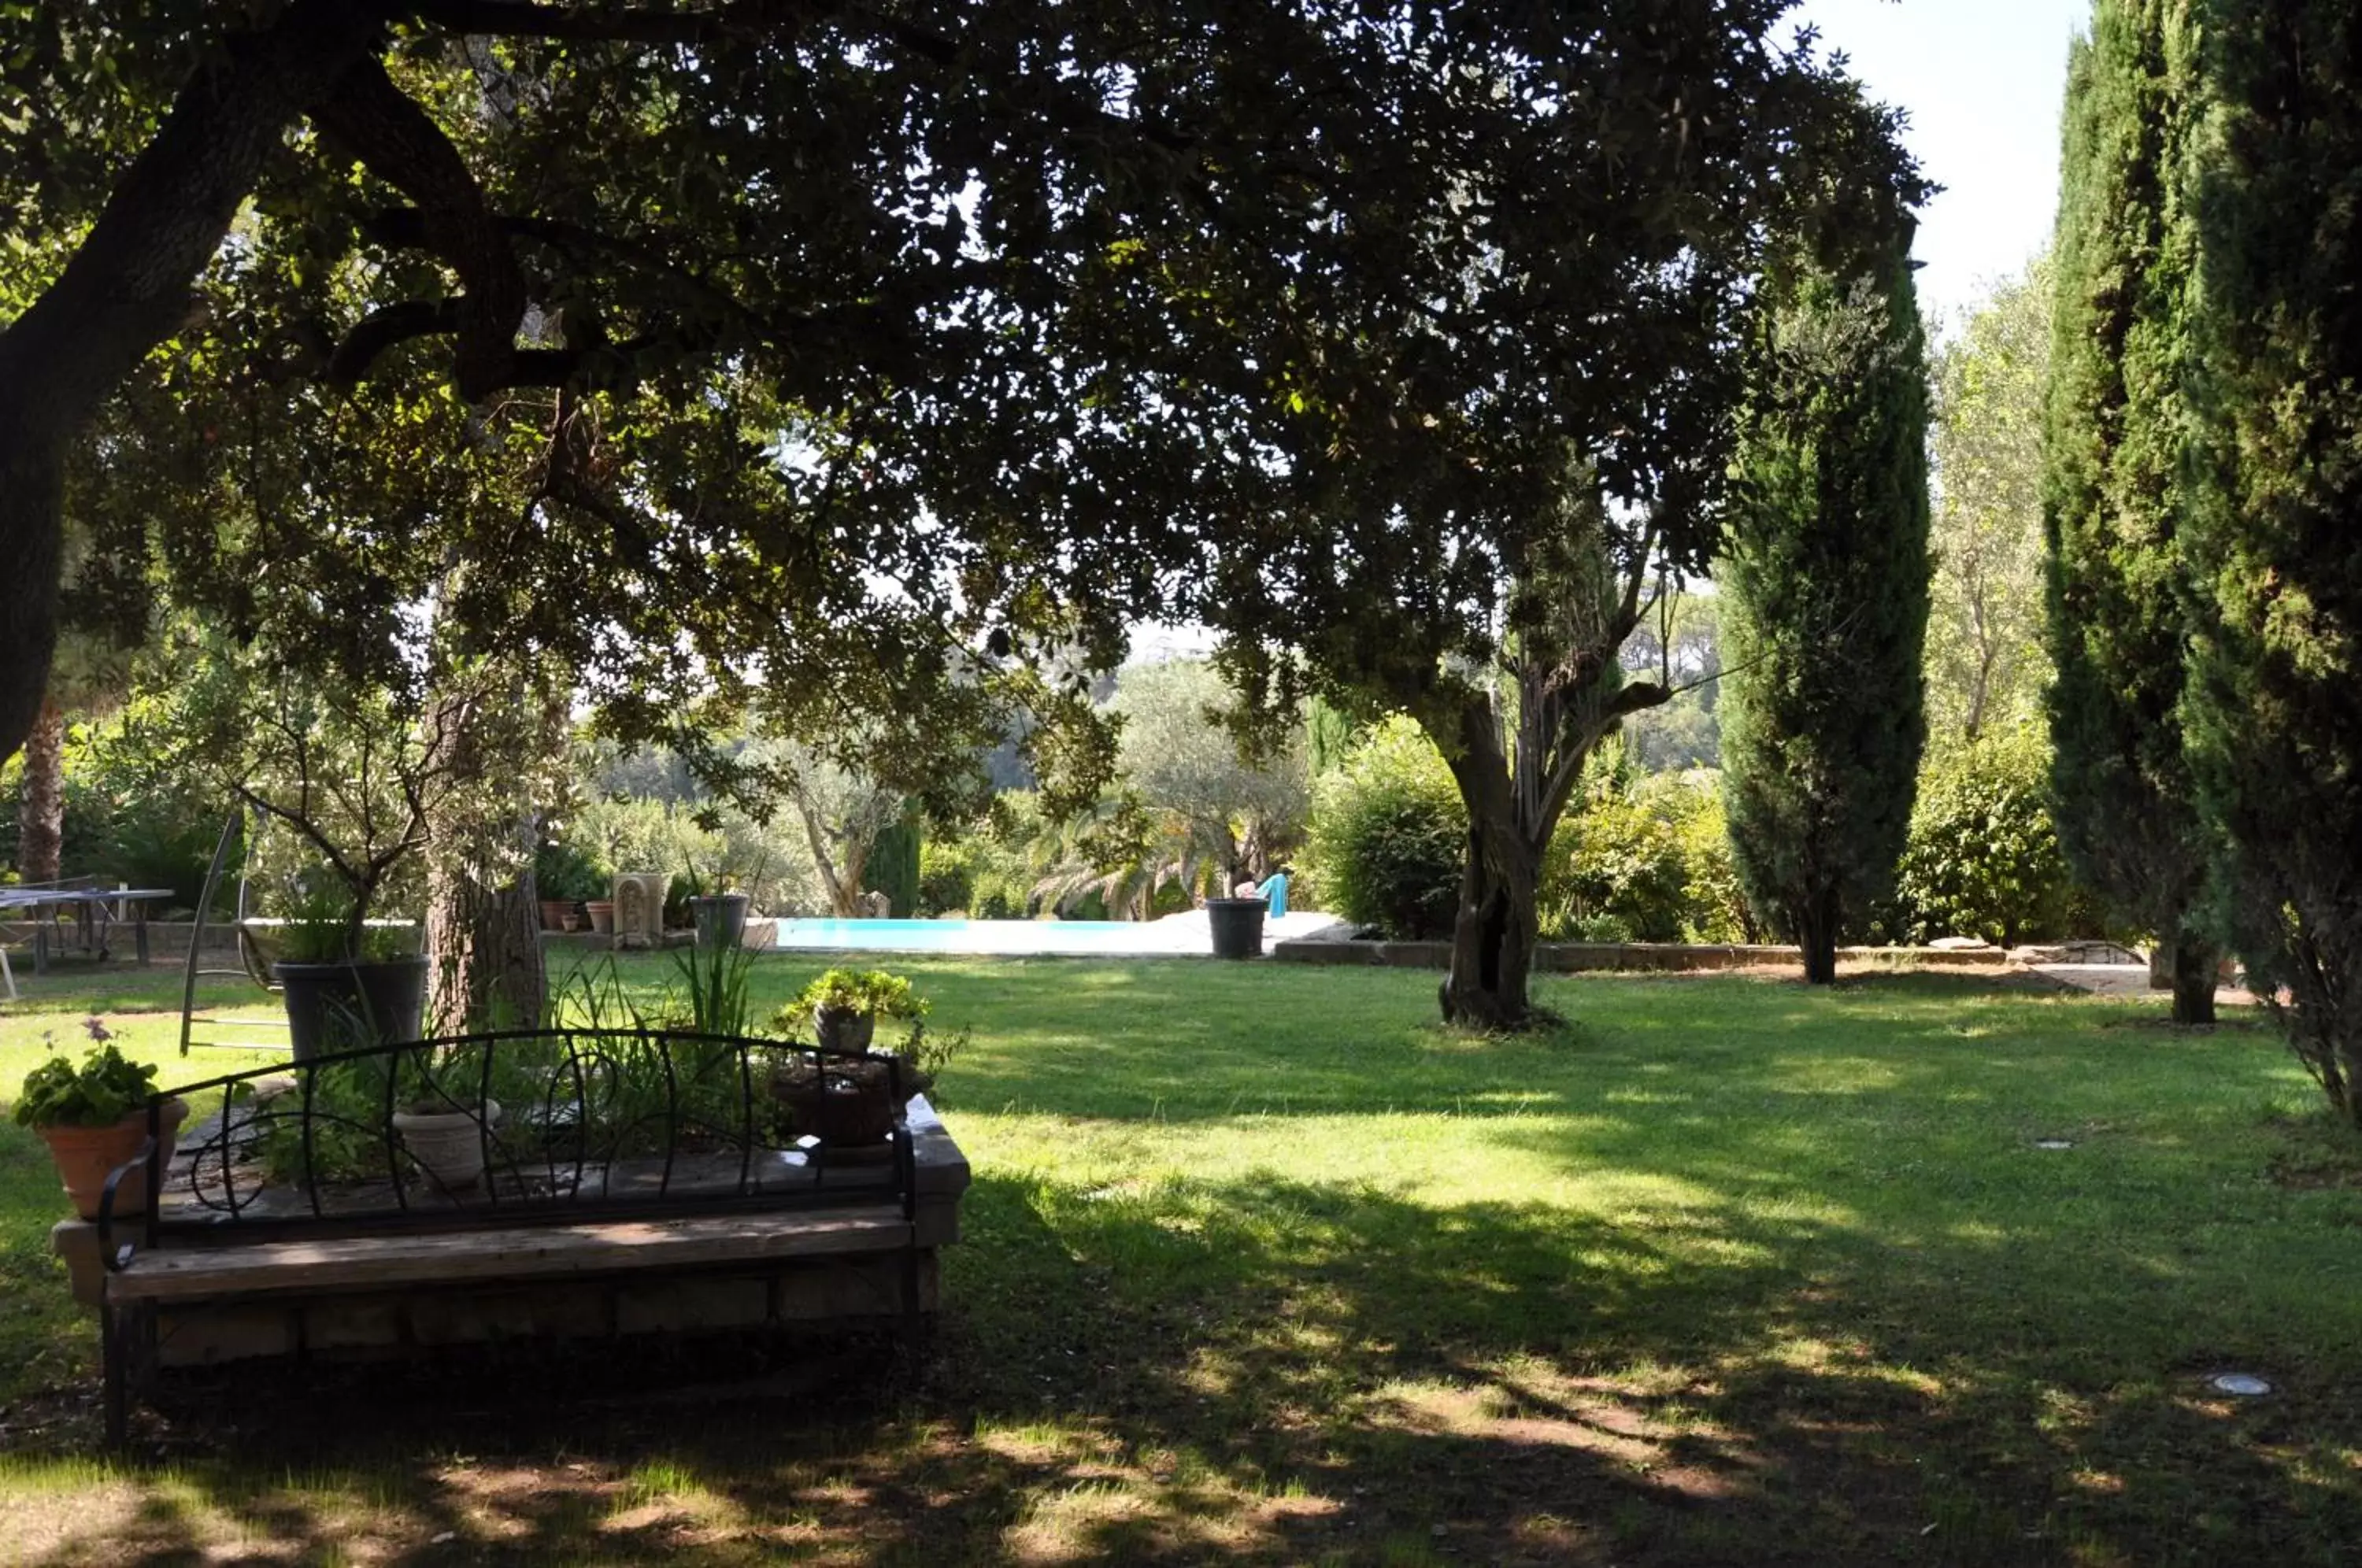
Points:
[(85, 1156), (639, 908), (848, 1104), (448, 1144), (843, 1028)]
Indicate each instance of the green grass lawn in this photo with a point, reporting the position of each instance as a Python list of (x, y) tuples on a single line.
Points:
[(1261, 1265)]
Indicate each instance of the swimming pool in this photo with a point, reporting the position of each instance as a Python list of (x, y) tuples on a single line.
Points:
[(1179, 936)]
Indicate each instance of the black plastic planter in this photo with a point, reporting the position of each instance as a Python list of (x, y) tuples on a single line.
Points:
[(720, 919), (343, 1007), (1238, 926)]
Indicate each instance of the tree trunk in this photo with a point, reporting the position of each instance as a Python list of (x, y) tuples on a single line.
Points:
[(483, 925), (125, 288), (32, 537), (489, 972), (1817, 920), (41, 817), (2194, 981), (1494, 934), (844, 887)]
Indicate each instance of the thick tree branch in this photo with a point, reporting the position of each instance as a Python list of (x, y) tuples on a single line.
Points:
[(402, 145), (381, 330), (126, 289), (406, 228), (649, 25)]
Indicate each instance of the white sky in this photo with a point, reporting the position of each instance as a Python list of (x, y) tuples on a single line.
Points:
[(1982, 81)]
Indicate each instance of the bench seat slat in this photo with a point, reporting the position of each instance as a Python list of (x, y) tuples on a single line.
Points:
[(531, 1251)]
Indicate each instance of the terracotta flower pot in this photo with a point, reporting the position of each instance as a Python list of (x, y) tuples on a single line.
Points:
[(554, 913), (602, 915), (86, 1155)]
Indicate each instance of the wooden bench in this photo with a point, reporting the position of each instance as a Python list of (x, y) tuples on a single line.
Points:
[(572, 1198)]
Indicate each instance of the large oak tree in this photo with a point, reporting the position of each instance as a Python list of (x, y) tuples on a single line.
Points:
[(1490, 476)]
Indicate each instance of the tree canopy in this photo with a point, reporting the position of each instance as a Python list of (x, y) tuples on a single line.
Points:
[(1485, 484), (680, 328), (1178, 757), (1987, 667)]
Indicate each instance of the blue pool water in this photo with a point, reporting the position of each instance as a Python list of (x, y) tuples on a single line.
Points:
[(1106, 938), (1176, 935)]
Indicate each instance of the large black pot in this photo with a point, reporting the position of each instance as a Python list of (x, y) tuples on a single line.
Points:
[(720, 918), (1238, 926), (343, 1007)]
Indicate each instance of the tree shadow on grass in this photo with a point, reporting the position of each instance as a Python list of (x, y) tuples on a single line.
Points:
[(1258, 1370)]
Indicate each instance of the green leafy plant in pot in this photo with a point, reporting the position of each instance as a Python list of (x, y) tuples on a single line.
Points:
[(94, 1116), (348, 982), (567, 879), (850, 1102), (842, 1008)]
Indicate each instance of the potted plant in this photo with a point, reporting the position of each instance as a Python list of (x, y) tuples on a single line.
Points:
[(446, 1139), (442, 1116), (94, 1119), (346, 983), (721, 914), (850, 1102), (563, 878), (843, 1007), (354, 775)]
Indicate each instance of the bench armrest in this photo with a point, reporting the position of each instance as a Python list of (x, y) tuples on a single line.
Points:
[(111, 1255)]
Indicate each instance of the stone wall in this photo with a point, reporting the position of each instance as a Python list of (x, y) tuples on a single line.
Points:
[(1573, 957)]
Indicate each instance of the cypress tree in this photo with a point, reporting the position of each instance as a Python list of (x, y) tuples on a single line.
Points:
[(2116, 441), (1825, 578), (2274, 705), (893, 866)]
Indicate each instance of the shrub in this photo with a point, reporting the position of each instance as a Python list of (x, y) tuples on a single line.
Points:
[(981, 875), (563, 871), (1714, 905), (874, 993), (946, 876), (132, 815), (1614, 872), (1389, 836), (1983, 858)]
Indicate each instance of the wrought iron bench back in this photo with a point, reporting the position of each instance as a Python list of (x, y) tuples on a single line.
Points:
[(566, 1124)]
